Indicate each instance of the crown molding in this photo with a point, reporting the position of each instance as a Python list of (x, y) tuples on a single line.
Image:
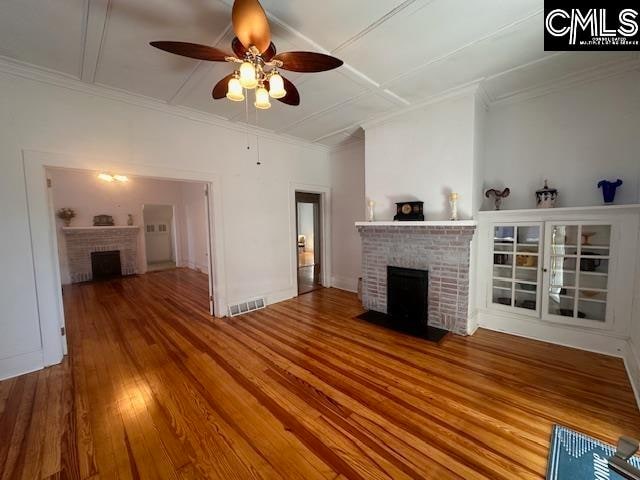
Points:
[(347, 145), (466, 89), (585, 76), (28, 71)]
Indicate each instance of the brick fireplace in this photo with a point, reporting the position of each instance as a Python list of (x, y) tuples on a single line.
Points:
[(442, 248), (81, 242)]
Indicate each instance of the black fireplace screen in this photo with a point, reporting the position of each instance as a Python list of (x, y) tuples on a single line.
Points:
[(106, 265), (407, 295)]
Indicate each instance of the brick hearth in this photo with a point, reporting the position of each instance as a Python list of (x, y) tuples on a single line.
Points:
[(82, 241), (443, 250)]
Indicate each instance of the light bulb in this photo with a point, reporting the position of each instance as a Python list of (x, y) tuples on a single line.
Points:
[(262, 98), (234, 90), (276, 86), (106, 177), (121, 178), (248, 75)]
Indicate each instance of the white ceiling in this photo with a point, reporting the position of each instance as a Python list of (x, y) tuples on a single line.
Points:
[(397, 53)]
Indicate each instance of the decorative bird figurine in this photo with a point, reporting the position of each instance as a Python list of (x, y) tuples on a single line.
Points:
[(497, 195)]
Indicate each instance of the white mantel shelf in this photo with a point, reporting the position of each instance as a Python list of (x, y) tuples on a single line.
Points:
[(562, 210), (434, 223), (105, 227)]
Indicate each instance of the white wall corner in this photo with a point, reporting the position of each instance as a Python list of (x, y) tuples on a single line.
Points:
[(345, 283), (632, 363)]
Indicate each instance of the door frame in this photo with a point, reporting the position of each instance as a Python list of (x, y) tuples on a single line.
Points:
[(325, 232), (45, 246)]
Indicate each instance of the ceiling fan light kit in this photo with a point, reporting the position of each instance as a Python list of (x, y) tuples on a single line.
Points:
[(255, 60)]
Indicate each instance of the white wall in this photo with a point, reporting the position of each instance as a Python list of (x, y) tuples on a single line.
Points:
[(632, 355), (348, 206), (424, 154), (193, 227), (112, 130), (574, 137)]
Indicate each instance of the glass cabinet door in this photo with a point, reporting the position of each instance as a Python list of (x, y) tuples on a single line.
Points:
[(516, 266), (578, 271)]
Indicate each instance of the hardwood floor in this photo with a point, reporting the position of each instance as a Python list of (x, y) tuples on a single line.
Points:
[(153, 388)]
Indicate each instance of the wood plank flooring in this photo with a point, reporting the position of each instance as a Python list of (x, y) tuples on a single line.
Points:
[(153, 389)]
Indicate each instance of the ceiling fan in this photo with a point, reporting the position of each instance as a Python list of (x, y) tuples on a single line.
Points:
[(255, 59)]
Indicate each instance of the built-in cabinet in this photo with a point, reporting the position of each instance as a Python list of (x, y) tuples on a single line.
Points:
[(565, 275), (558, 271)]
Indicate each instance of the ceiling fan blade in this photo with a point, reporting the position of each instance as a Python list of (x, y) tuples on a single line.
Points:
[(307, 62), (192, 50), (220, 90), (293, 96), (240, 50), (250, 24)]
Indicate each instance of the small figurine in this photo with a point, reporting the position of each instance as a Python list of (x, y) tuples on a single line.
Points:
[(498, 196), (370, 210), (546, 197), (453, 202), (130, 220), (609, 189)]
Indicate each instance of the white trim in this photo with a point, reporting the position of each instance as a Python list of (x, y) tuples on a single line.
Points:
[(325, 209), (20, 364), (469, 88), (45, 255), (632, 364), (560, 211), (598, 342), (572, 80), (436, 223), (39, 74)]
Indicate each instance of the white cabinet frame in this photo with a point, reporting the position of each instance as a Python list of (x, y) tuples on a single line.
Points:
[(611, 274), (513, 279)]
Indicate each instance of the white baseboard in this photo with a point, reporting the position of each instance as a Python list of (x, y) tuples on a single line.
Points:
[(632, 363), (345, 283), (21, 364), (597, 342)]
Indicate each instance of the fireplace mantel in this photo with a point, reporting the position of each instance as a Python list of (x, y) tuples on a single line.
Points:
[(94, 228), (433, 223)]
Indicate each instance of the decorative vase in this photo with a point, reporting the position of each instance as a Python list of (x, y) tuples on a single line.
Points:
[(609, 189), (498, 196), (130, 220), (67, 222), (546, 197), (453, 202), (370, 210)]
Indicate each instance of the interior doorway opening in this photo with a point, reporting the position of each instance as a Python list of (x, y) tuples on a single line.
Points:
[(309, 241), (147, 224)]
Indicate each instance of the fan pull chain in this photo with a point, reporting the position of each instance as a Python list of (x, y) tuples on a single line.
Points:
[(246, 111), (257, 141)]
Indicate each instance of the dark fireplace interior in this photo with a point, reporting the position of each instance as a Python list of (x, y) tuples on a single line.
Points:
[(407, 291), (105, 265), (407, 304)]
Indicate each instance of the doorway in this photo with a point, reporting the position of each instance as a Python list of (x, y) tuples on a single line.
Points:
[(309, 241), (160, 245)]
